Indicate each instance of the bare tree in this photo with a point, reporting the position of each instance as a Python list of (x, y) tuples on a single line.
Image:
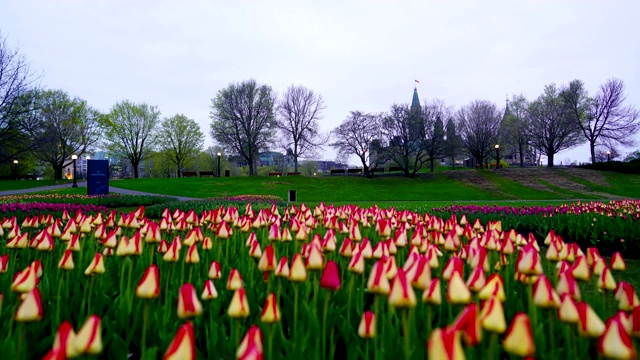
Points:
[(243, 119), (453, 141), (298, 113), (16, 81), (514, 126), (403, 130), (435, 114), (551, 127), (60, 126), (131, 131), (603, 118), (479, 124), (355, 137), (181, 139)]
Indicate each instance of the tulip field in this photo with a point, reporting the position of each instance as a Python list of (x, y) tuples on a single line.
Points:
[(318, 282)]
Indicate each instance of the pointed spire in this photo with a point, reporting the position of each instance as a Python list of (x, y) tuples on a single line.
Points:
[(415, 102), (507, 112)]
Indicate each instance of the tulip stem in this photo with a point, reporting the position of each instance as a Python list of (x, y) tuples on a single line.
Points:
[(366, 349), (406, 332), (236, 334), (324, 326), (493, 341), (58, 309), (376, 311), (551, 335), (270, 333), (22, 333), (295, 309), (349, 294), (145, 320), (429, 321), (93, 280)]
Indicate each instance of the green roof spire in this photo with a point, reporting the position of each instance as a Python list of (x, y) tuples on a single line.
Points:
[(415, 103)]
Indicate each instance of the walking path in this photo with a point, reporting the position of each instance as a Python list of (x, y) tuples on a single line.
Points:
[(84, 184)]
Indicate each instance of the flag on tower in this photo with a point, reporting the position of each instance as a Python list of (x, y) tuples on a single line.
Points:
[(417, 81)]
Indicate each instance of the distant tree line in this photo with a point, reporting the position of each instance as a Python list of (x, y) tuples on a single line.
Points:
[(46, 126)]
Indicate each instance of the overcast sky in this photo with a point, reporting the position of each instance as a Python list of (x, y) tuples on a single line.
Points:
[(360, 55)]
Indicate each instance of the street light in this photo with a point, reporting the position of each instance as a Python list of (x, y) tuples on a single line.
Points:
[(86, 167), (15, 168), (608, 156), (219, 175), (75, 182), (497, 156)]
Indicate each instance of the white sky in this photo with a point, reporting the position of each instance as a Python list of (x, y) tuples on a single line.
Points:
[(360, 55)]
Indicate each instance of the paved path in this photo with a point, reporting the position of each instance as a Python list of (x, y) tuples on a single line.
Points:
[(84, 184)]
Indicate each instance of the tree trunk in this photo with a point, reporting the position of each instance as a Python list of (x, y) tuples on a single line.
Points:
[(550, 160), (295, 163), (592, 147), (521, 150), (252, 166), (57, 172), (135, 169), (453, 162)]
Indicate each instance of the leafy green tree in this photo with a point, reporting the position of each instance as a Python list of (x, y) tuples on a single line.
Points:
[(131, 131), (60, 126), (181, 139), (243, 120)]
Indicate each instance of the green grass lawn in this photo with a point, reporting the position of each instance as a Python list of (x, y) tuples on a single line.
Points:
[(28, 184)]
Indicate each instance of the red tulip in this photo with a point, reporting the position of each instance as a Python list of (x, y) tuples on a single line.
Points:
[(330, 278)]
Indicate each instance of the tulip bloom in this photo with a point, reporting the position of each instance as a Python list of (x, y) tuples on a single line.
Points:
[(297, 271), (367, 327), (96, 266), (433, 295), (235, 280), (182, 346), (469, 323), (543, 294), (31, 307), (330, 278), (615, 342), (580, 269), (25, 280), (251, 345), (239, 306), (528, 262), (519, 338), (589, 324), (378, 282), (617, 262), (606, 281), (626, 296), (214, 270), (209, 291), (188, 304), (89, 337), (568, 310), (492, 316), (457, 290), (66, 262), (267, 262), (445, 344), (149, 285), (64, 341), (401, 294), (271, 311)]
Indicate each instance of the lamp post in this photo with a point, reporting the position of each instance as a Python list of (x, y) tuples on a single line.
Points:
[(219, 155), (15, 168), (608, 156), (75, 182), (86, 167), (497, 156)]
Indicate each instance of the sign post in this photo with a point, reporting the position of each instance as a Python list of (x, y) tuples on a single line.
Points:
[(97, 177)]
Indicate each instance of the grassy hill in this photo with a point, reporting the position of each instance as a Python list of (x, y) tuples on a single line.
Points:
[(529, 184)]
